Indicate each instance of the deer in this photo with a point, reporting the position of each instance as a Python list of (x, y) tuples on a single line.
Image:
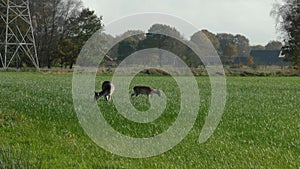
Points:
[(107, 90), (145, 90)]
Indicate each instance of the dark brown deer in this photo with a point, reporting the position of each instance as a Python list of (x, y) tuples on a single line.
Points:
[(145, 90), (107, 90)]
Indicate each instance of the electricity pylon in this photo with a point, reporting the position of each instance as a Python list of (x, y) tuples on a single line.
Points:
[(16, 33)]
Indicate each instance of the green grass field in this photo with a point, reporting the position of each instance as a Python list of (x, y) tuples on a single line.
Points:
[(260, 127)]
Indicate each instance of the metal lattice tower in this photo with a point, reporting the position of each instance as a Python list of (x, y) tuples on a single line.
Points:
[(16, 33)]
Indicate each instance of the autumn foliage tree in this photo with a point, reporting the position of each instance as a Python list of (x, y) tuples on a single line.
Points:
[(230, 52)]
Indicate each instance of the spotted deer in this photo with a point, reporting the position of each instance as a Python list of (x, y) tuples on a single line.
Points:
[(145, 90), (107, 90)]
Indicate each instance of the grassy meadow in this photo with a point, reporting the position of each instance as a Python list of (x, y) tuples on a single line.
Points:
[(260, 127)]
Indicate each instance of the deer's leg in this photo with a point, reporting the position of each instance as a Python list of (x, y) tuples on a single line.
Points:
[(135, 94), (108, 97)]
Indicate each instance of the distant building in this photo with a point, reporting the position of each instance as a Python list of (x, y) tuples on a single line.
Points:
[(264, 57)]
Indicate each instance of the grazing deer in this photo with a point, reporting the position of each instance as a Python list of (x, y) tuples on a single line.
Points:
[(107, 90), (144, 90)]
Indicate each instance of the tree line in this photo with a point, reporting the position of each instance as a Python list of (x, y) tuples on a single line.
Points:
[(228, 46), (62, 27)]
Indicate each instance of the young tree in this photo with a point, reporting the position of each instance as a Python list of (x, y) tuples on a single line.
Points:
[(250, 61)]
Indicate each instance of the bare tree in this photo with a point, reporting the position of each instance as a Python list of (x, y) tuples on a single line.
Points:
[(49, 17)]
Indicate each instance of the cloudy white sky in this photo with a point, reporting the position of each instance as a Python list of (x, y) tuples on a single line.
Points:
[(250, 18)]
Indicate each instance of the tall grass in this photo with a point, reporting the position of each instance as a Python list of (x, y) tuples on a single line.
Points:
[(259, 129)]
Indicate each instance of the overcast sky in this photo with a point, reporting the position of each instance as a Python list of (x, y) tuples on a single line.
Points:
[(250, 18)]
